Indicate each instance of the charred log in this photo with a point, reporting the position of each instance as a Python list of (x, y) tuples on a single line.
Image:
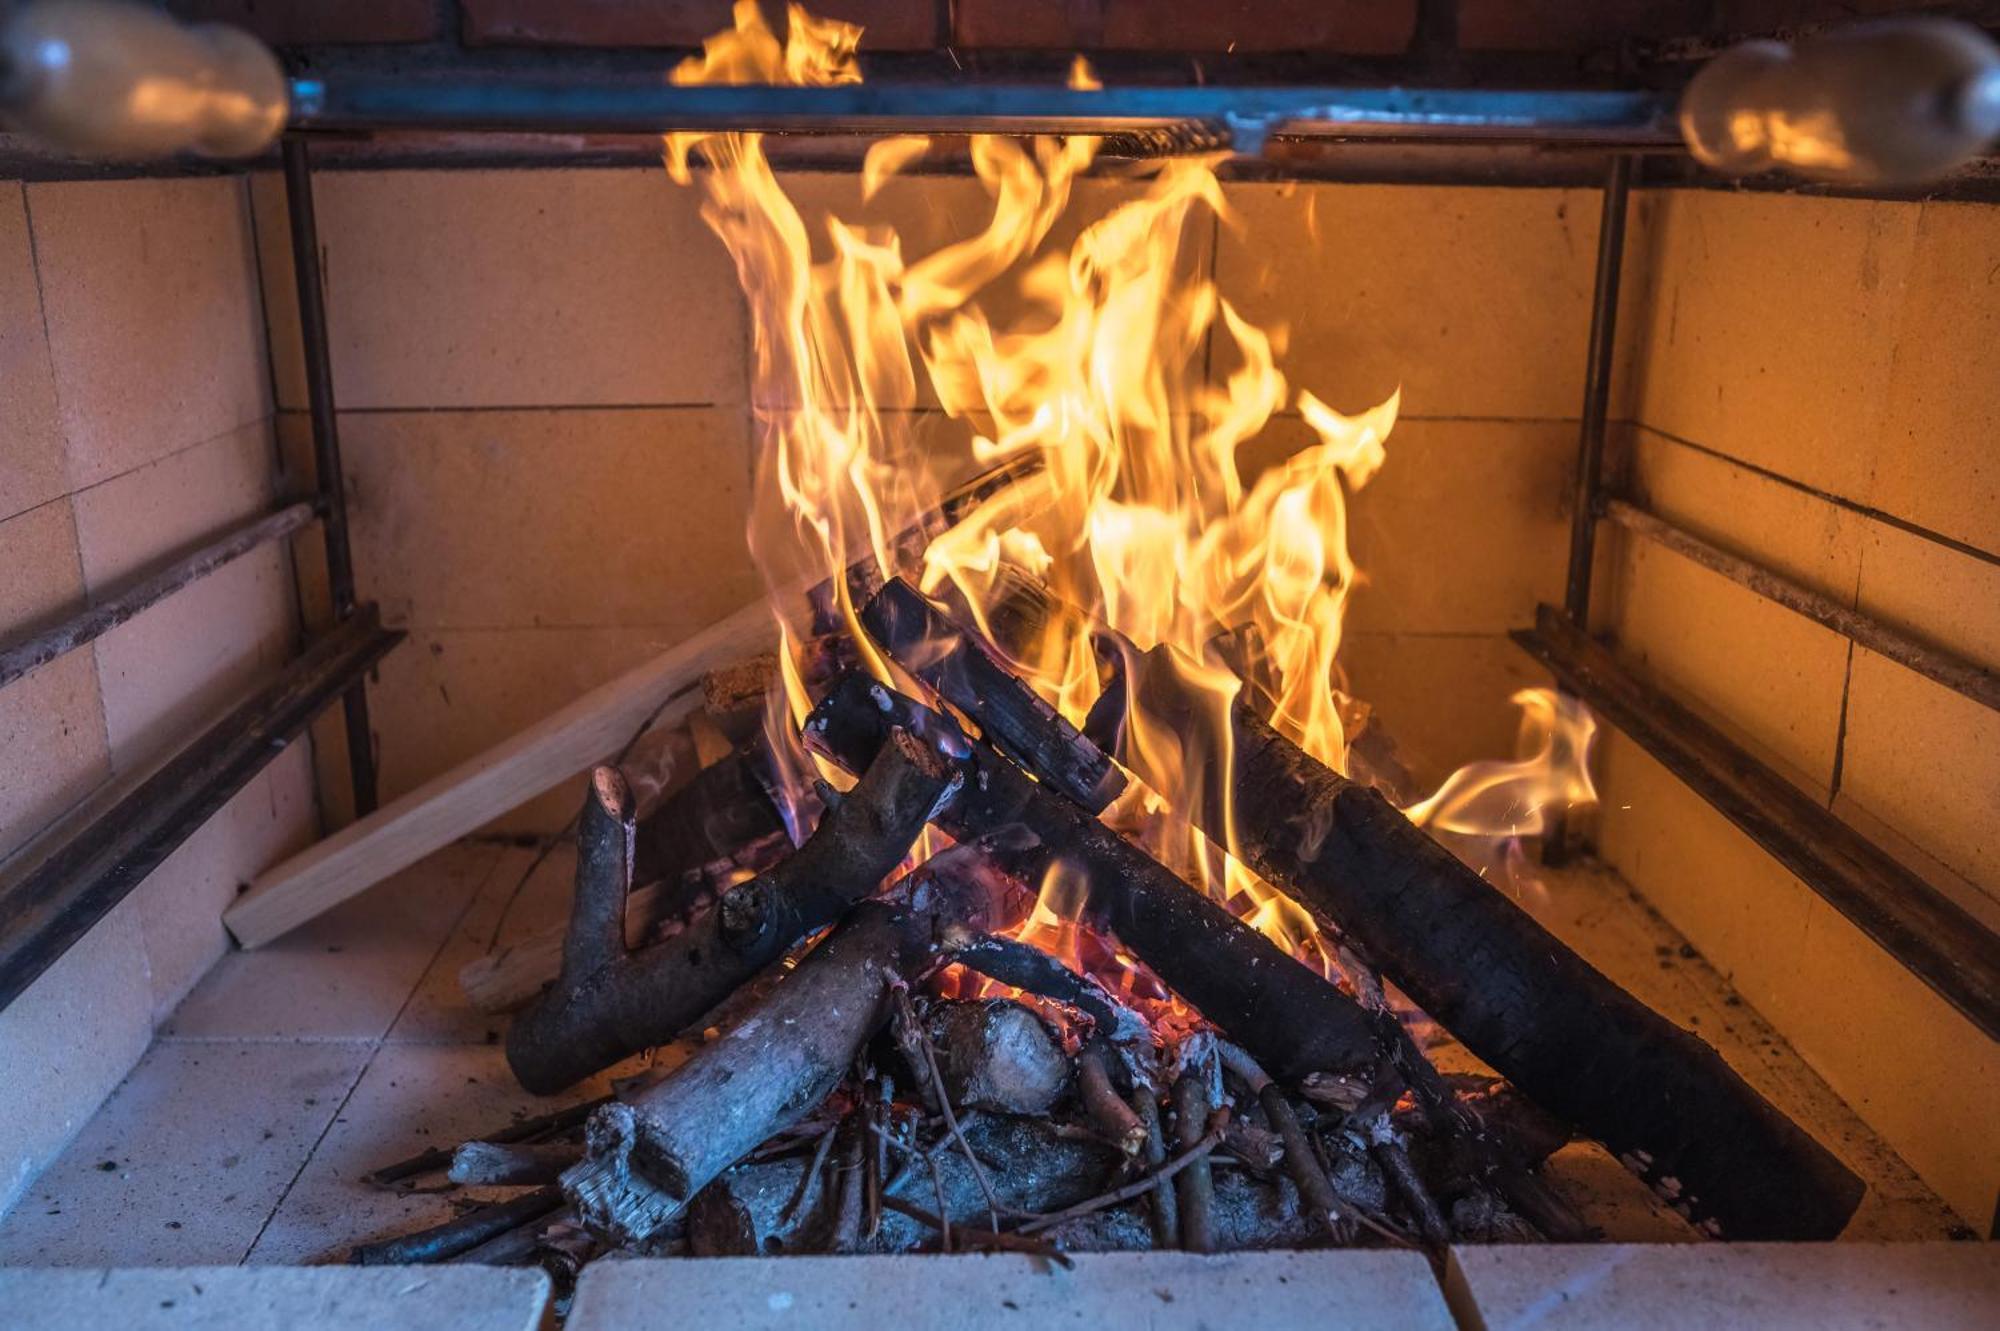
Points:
[(1539, 1014), (648, 1157), (1291, 1018), (969, 674), (610, 1002)]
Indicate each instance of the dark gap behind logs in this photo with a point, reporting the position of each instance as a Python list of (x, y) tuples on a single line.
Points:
[(1512, 992)]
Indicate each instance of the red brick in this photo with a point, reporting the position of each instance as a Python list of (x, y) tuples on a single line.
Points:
[(888, 25), (1347, 27), (1028, 25), (321, 22), (1570, 26)]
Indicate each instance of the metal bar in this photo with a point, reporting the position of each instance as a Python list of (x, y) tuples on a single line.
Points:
[(1560, 840), (504, 102), (326, 450), (1597, 386), (55, 900), (87, 625), (1935, 939), (1955, 673)]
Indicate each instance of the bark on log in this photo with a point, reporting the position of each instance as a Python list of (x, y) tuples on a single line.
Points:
[(1539, 1014), (687, 852), (997, 1055), (1522, 1001), (971, 676), (1292, 1019), (610, 1003), (649, 1157)]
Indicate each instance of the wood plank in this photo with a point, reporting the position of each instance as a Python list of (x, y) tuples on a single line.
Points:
[(461, 800)]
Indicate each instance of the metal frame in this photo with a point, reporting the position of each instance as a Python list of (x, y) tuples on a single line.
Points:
[(56, 900), (1245, 115), (331, 479), (1931, 936), (78, 871)]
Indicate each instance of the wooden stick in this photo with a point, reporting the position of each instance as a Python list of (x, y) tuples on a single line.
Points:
[(527, 1129), (610, 1002), (648, 1157), (1163, 1206), (1113, 1117), (1137, 1188), (443, 1242), (1194, 1190), (461, 800)]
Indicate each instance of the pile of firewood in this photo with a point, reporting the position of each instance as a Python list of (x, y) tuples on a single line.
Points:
[(863, 1085)]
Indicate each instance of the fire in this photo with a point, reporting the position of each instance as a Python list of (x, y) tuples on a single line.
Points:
[(1198, 584)]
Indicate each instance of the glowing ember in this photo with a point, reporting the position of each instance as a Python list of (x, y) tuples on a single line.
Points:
[(1139, 517)]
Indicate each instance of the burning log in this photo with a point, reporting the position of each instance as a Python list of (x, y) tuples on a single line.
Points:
[(1539, 1014), (610, 1002), (1013, 717), (1511, 991), (647, 1158), (1290, 1017), (998, 1055)]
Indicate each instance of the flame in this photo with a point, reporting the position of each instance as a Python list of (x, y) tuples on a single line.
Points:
[(1195, 583)]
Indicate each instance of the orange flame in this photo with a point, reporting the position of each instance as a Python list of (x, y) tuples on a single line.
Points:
[(1139, 518)]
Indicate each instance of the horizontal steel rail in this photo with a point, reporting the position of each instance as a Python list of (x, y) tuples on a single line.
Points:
[(1935, 939), (55, 895), (1247, 114), (1933, 662), (18, 658)]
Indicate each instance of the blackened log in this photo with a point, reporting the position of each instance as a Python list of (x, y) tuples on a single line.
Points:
[(648, 1157), (1540, 1015), (968, 674), (724, 809), (1290, 1017), (610, 1002), (1028, 968)]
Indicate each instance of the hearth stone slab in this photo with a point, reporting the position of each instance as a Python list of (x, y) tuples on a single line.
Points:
[(1778, 1286), (298, 1298), (1159, 1291)]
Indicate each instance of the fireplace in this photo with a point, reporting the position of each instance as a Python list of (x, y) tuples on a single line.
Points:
[(1387, 703)]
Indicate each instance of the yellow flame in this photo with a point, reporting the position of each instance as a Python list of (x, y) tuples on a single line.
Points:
[(1139, 519)]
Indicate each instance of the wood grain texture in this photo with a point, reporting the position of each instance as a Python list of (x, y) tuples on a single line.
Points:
[(459, 801)]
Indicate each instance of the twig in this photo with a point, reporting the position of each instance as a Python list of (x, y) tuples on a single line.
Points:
[(1301, 1162), (1137, 1188), (973, 1238), (1166, 1212), (1403, 1176), (807, 1179), (528, 1129), (1101, 1100), (443, 1242), (1195, 1188), (937, 1187), (848, 1209)]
